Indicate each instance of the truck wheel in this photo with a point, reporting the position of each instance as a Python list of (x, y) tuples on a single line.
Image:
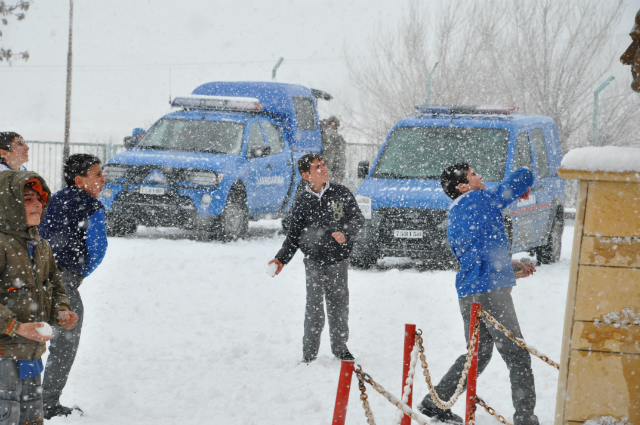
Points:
[(117, 225), (363, 262), (550, 253), (234, 220)]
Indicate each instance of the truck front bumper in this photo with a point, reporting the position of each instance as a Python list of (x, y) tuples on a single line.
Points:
[(378, 238)]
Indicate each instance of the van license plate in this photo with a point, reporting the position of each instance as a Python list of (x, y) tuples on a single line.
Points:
[(411, 234), (147, 190)]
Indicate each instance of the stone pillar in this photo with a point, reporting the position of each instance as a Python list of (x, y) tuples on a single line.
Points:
[(600, 362)]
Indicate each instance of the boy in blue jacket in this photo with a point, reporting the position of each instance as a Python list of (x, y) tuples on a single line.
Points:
[(74, 226), (476, 235)]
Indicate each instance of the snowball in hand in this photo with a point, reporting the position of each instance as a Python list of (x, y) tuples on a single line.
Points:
[(45, 330), (272, 269)]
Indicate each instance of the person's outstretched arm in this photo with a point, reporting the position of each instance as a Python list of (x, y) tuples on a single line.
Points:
[(515, 187)]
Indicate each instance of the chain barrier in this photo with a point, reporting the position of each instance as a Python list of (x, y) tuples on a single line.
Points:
[(518, 341), (490, 410), (460, 388), (363, 396), (409, 380), (392, 399), (419, 348)]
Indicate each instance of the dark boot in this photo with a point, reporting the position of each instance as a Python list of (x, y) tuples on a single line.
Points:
[(56, 409), (428, 408), (345, 355)]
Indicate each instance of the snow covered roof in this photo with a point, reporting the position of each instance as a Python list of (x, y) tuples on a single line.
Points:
[(606, 158)]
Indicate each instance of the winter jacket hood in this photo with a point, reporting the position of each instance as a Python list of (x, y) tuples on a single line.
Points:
[(13, 219), (31, 289)]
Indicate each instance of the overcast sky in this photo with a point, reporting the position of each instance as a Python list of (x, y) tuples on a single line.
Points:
[(130, 56)]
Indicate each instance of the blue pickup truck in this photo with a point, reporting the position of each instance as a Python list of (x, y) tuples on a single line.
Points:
[(226, 156), (406, 209)]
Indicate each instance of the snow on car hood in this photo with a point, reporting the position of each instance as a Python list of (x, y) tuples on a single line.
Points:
[(177, 159)]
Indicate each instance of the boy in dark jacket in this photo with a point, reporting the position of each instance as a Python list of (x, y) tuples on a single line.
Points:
[(325, 221), (75, 227), (476, 235), (32, 296)]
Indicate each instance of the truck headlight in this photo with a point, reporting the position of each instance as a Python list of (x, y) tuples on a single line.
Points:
[(107, 193), (112, 172), (364, 202), (206, 199), (203, 178)]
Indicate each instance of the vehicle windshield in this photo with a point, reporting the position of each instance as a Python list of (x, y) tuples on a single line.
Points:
[(423, 152), (194, 135)]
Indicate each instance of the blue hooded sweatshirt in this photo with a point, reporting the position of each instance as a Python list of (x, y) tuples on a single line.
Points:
[(476, 235), (75, 227)]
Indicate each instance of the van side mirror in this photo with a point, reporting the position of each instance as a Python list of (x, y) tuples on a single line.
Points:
[(259, 152), (129, 142), (363, 169)]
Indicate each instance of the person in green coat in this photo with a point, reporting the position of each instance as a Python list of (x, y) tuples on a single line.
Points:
[(32, 296)]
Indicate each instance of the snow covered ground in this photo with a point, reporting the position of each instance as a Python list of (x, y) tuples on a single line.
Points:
[(182, 331)]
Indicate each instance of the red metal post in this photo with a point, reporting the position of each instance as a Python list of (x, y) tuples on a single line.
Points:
[(472, 376), (409, 342), (342, 397)]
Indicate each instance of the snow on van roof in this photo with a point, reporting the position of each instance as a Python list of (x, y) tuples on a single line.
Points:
[(606, 158)]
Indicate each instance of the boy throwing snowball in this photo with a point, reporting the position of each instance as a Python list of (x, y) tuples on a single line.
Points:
[(325, 222)]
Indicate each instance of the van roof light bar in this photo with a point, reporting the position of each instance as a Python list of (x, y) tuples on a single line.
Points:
[(217, 102), (466, 109)]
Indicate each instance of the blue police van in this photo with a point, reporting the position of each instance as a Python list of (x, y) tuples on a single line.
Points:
[(406, 209), (226, 156)]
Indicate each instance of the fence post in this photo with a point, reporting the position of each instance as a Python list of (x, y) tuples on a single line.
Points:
[(409, 342), (342, 397), (472, 377)]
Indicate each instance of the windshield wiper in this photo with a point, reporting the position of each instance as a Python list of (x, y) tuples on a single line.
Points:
[(154, 147), (211, 151), (402, 176), (390, 176)]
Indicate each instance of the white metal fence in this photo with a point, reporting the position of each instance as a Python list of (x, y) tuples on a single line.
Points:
[(45, 158)]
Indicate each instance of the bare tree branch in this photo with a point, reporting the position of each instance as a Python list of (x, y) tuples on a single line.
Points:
[(15, 11), (544, 56)]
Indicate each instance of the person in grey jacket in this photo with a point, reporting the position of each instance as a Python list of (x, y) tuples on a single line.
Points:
[(334, 149)]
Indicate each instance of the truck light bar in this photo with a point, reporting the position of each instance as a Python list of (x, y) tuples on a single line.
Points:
[(465, 109), (217, 102)]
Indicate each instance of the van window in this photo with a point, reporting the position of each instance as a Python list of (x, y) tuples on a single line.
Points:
[(274, 136), (423, 152), (256, 146), (523, 152), (540, 148), (305, 113)]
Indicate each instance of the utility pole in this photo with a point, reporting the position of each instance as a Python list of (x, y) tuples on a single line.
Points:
[(275, 68), (429, 83), (594, 141), (67, 111)]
